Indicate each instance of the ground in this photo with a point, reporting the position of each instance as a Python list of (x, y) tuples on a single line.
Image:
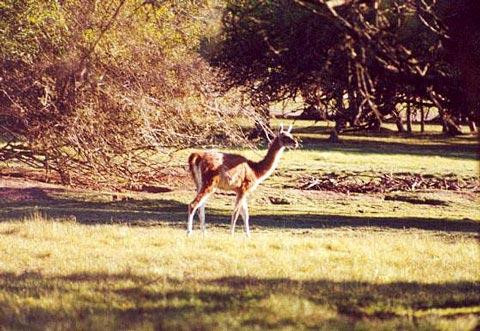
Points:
[(74, 258)]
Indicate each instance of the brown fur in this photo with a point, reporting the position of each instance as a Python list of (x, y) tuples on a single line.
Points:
[(232, 172)]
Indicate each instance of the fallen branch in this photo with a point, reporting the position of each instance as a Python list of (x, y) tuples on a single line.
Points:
[(385, 183)]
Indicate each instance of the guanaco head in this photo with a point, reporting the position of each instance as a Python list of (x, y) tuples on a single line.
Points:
[(286, 139)]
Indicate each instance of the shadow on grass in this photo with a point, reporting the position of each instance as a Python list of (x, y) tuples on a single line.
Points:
[(129, 301), (150, 212), (365, 146), (432, 144), (384, 132), (46, 202), (312, 221), (356, 294)]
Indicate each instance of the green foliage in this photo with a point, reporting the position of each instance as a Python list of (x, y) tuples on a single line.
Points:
[(27, 27)]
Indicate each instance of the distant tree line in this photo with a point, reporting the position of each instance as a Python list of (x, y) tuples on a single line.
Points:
[(357, 62)]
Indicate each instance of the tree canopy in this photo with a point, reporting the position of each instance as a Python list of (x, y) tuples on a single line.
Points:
[(356, 59)]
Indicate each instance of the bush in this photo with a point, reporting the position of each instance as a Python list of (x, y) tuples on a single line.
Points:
[(92, 89)]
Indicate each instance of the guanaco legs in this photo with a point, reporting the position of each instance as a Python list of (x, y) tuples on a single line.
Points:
[(213, 170)]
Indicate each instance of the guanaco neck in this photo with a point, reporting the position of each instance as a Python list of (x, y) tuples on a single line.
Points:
[(267, 165)]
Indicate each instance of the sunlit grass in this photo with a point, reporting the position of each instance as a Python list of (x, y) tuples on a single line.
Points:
[(429, 153), (141, 277), (61, 247)]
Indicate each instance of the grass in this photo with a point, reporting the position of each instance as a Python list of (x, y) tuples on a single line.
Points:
[(322, 260), (65, 274)]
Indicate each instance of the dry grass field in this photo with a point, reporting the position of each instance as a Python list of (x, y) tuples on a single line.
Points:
[(75, 259)]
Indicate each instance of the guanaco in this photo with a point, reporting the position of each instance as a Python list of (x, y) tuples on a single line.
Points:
[(212, 170)]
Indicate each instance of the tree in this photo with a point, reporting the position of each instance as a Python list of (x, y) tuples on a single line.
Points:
[(92, 89), (363, 57)]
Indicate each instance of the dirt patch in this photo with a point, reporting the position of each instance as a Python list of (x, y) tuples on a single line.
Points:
[(22, 194), (28, 174), (21, 185), (18, 177), (17, 189)]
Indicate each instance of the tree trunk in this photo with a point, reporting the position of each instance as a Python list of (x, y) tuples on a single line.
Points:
[(422, 119), (472, 126), (340, 123), (399, 122), (453, 128), (333, 138), (409, 117), (449, 125), (375, 124)]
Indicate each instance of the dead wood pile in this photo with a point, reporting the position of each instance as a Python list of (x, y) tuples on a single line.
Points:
[(384, 183)]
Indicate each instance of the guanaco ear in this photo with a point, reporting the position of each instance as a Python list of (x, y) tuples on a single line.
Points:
[(281, 127), (290, 128)]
